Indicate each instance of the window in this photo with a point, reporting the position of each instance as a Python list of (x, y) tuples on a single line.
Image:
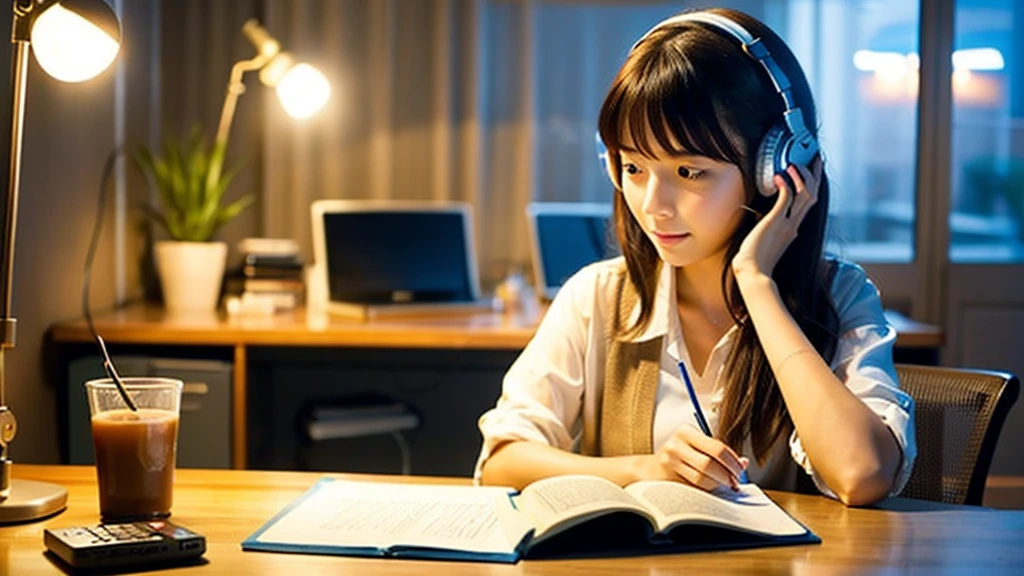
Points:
[(986, 222), (858, 55)]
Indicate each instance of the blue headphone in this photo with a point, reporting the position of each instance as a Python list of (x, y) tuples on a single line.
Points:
[(788, 142)]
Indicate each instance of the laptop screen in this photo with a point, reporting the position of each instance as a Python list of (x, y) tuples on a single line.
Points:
[(566, 238), (380, 255)]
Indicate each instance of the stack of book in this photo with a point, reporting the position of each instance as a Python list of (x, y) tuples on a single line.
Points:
[(272, 273)]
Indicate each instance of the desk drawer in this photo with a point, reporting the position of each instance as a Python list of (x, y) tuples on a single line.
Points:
[(447, 389)]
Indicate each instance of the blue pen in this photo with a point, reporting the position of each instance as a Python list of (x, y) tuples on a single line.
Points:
[(698, 413)]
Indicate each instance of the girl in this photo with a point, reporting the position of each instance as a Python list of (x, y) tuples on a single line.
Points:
[(723, 283)]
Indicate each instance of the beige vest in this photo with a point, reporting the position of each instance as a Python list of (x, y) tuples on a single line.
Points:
[(626, 423)]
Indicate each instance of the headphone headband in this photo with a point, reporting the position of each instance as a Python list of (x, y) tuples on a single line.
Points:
[(727, 25), (754, 48), (789, 142)]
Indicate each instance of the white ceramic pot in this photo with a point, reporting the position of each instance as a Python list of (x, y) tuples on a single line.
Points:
[(190, 274)]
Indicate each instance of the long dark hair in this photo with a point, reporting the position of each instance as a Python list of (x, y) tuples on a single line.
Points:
[(690, 88)]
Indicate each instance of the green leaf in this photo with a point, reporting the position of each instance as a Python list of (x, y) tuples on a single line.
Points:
[(216, 164), (192, 181), (213, 215), (236, 207), (196, 166)]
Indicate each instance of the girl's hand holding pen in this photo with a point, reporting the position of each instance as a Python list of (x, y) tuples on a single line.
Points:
[(695, 459)]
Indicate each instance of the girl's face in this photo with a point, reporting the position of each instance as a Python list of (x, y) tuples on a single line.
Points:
[(689, 206)]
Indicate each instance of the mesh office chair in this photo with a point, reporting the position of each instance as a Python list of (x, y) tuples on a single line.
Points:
[(959, 414)]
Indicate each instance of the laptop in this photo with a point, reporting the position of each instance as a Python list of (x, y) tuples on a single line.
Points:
[(395, 257), (565, 237)]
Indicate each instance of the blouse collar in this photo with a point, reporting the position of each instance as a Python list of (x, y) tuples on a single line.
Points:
[(664, 304)]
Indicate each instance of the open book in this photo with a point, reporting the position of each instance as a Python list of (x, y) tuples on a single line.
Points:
[(563, 516)]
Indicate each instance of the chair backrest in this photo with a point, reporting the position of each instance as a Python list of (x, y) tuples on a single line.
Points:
[(959, 414)]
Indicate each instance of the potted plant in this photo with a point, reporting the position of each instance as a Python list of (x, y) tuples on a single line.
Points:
[(191, 182)]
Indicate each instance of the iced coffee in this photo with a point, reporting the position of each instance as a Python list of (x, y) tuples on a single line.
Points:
[(135, 449)]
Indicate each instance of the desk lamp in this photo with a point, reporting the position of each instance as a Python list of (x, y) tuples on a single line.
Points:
[(302, 89), (73, 40)]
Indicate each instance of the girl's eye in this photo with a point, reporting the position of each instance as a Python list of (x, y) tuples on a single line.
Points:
[(629, 168), (691, 173)]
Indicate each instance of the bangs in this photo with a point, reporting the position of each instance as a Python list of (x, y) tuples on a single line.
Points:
[(660, 99)]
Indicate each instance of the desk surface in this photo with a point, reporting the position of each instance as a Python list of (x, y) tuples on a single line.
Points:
[(142, 324), (228, 505)]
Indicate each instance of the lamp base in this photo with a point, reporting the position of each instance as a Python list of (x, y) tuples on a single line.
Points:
[(31, 500)]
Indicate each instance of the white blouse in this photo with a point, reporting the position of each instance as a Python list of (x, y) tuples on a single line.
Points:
[(557, 380)]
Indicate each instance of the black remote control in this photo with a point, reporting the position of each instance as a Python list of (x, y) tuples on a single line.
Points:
[(128, 544)]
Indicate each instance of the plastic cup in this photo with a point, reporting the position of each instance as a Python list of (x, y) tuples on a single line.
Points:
[(135, 451)]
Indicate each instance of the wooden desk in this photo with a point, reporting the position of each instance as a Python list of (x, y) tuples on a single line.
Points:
[(226, 506), (914, 334), (149, 325)]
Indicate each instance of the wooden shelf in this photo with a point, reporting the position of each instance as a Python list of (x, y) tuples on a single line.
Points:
[(144, 324)]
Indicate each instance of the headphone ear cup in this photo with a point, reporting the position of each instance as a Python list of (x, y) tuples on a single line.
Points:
[(605, 159), (610, 170), (771, 159)]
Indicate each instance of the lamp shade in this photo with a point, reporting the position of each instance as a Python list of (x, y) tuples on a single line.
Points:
[(303, 91), (75, 40)]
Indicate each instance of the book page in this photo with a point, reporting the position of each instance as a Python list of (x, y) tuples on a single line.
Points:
[(346, 514), (749, 509), (559, 502)]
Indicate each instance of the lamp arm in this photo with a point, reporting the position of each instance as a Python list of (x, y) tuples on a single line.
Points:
[(19, 69), (19, 62), (235, 89)]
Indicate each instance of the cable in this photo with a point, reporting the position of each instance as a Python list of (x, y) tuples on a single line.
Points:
[(403, 447), (97, 228)]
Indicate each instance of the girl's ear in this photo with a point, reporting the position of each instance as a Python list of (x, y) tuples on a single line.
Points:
[(760, 203)]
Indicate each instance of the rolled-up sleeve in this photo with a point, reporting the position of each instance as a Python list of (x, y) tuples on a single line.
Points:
[(863, 361), (542, 391)]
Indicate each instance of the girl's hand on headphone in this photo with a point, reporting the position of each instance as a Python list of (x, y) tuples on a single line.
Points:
[(765, 244)]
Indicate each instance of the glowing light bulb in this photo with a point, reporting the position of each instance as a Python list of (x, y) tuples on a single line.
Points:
[(69, 47), (303, 91)]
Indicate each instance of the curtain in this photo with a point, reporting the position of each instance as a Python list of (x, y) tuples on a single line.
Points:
[(492, 102), (430, 100), (199, 41)]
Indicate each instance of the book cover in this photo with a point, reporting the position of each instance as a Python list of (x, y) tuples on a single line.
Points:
[(273, 285), (274, 271)]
